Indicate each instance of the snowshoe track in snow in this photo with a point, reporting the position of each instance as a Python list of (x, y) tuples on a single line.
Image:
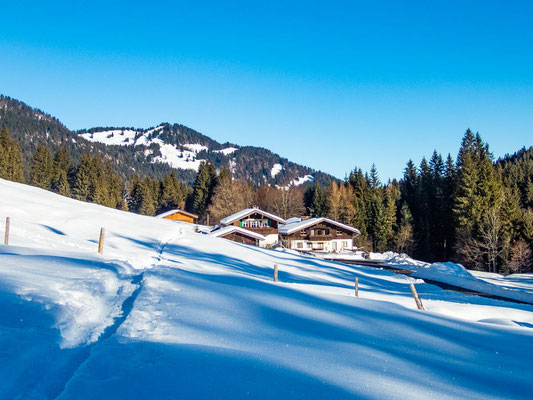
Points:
[(126, 307)]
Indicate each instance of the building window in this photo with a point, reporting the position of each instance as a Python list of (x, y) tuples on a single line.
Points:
[(255, 223), (299, 245)]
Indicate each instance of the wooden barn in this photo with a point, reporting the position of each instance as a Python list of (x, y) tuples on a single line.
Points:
[(179, 215), (239, 235), (317, 234), (257, 221)]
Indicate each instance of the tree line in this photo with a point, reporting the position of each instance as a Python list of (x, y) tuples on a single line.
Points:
[(473, 210)]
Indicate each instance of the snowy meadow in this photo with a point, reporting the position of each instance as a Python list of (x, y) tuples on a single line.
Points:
[(168, 312)]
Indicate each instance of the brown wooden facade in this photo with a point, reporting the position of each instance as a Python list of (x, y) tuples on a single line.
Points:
[(239, 237), (320, 232), (271, 229), (183, 216)]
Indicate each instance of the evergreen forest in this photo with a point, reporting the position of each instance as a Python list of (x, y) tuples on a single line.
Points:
[(472, 209)]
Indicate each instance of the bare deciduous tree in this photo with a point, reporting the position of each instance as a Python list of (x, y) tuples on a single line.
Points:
[(230, 197), (404, 239), (486, 247), (521, 258)]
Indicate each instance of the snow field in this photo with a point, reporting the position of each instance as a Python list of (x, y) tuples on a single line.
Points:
[(169, 313)]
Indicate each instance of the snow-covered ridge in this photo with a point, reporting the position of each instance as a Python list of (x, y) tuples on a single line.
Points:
[(176, 157), (179, 156)]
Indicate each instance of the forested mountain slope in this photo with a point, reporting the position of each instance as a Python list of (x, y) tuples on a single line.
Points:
[(151, 152)]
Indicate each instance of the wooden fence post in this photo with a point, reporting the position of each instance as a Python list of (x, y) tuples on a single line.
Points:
[(101, 241), (6, 236), (275, 272), (356, 286), (415, 296)]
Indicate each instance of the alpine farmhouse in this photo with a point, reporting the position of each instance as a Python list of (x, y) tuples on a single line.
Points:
[(317, 234), (238, 235), (257, 221), (179, 215)]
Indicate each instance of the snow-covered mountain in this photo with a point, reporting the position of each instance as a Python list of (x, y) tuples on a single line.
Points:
[(153, 151), (168, 312)]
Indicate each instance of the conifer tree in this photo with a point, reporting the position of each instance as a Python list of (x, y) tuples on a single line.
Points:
[(224, 175), (204, 185), (449, 191), (61, 169), (377, 222), (374, 177), (62, 160), (141, 199), (391, 199), (61, 185), (171, 194), (42, 168), (361, 200), (477, 204), (83, 180), (11, 167), (319, 202)]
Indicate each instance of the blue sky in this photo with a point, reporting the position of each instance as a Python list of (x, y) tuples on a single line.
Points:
[(327, 84)]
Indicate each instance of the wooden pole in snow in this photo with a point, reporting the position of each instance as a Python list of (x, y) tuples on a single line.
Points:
[(415, 295), (275, 272), (101, 241), (6, 236), (356, 286)]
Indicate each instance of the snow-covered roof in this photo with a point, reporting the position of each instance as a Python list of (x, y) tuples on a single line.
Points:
[(244, 213), (166, 214), (229, 229), (295, 226), (293, 220)]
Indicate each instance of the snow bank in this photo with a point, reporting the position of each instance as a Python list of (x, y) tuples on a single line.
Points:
[(456, 275)]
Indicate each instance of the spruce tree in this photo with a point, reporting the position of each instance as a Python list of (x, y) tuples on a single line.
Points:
[(319, 202), (478, 204), (42, 168), (449, 188), (11, 167), (141, 197), (61, 185), (203, 189), (83, 180), (61, 169), (374, 177), (171, 194), (377, 222)]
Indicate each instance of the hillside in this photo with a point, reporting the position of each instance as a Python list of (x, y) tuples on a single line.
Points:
[(152, 152), (167, 312)]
